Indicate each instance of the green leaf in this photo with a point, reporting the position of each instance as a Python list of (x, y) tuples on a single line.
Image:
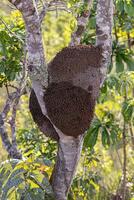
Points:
[(127, 111), (34, 179), (110, 67), (91, 137), (28, 196), (129, 8), (105, 137), (130, 64), (119, 64), (120, 5), (113, 81), (104, 87), (113, 135), (12, 76), (15, 182)]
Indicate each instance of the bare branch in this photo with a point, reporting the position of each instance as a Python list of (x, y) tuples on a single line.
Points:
[(81, 24), (124, 170), (53, 6), (132, 134), (19, 93), (43, 12), (12, 122), (17, 3), (60, 8), (13, 152), (11, 103), (104, 23), (37, 67), (12, 86)]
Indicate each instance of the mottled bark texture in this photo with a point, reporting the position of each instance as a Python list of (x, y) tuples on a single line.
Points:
[(104, 21), (64, 108), (10, 147), (67, 159), (82, 21)]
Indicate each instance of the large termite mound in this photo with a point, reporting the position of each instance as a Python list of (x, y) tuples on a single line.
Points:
[(70, 108), (79, 65), (74, 81)]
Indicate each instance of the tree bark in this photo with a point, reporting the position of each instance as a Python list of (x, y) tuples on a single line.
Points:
[(10, 147), (104, 22), (67, 159), (82, 21)]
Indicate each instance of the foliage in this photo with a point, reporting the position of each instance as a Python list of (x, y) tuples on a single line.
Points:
[(26, 179), (31, 142), (112, 109), (11, 48), (59, 32)]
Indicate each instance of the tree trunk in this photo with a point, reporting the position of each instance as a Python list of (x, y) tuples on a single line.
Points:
[(69, 147), (67, 159)]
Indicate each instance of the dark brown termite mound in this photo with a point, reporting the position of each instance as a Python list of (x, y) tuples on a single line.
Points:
[(76, 58), (79, 65), (70, 108), (74, 81)]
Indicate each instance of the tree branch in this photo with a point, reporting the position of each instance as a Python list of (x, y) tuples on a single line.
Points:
[(52, 6), (11, 103), (104, 24), (12, 151), (81, 24), (124, 170), (132, 134), (43, 12)]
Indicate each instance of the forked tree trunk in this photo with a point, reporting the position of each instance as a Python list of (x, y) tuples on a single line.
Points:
[(65, 166), (82, 82)]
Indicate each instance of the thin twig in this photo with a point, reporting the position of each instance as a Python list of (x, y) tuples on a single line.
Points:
[(53, 6), (129, 40), (124, 162), (43, 12), (132, 134), (12, 86), (19, 93), (124, 170), (13, 119), (119, 157), (6, 86), (3, 116)]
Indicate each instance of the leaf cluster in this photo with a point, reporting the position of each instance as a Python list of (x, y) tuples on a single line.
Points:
[(26, 179), (11, 50)]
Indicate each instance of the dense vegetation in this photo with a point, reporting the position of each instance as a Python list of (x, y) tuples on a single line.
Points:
[(107, 161)]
